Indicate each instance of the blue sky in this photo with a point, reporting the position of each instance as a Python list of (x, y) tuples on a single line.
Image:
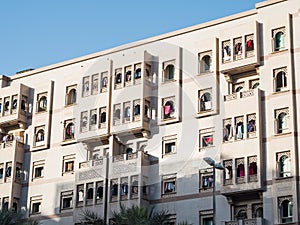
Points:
[(37, 33)]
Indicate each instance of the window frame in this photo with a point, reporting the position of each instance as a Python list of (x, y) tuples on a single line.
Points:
[(166, 179), (63, 196), (168, 140), (68, 160)]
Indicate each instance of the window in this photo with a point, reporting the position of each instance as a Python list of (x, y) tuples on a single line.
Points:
[(251, 125), (169, 145), (147, 110), (8, 171), (68, 163), (169, 71), (84, 121), (39, 136), (85, 86), (206, 138), (99, 191), (41, 102), (239, 127), (71, 94), (104, 81), (284, 164), (205, 62), (257, 210), (204, 100), (35, 205), (238, 48), (280, 79), (226, 50), (66, 200), (286, 209), (168, 185), (136, 110), (18, 172), (80, 195), (254, 84), (134, 186), (114, 189), (6, 105), (252, 168), (240, 170), (118, 78), (206, 217), (128, 75), (240, 212), (227, 130), (93, 119), (95, 84), (228, 172), (69, 130), (102, 122), (15, 204), (38, 169), (127, 112), (117, 114), (171, 220), (281, 121), (14, 107), (206, 179), (89, 193), (168, 108), (124, 188), (137, 73), (238, 87), (249, 45), (278, 39), (1, 172)]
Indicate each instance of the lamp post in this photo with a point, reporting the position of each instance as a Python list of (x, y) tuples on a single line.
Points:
[(215, 166)]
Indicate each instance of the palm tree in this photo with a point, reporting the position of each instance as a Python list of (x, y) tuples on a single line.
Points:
[(12, 217), (88, 217)]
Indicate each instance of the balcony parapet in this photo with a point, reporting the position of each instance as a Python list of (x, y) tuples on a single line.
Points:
[(239, 95), (253, 221)]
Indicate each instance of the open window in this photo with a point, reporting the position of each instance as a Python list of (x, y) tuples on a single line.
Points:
[(136, 110), (169, 144), (238, 48), (249, 45), (114, 190), (128, 75), (286, 209), (69, 130), (226, 47), (169, 185), (137, 73), (118, 78), (239, 127), (168, 108), (206, 179), (278, 39), (14, 107), (93, 119), (280, 79), (228, 173), (227, 130), (252, 168), (206, 138), (169, 71), (71, 94), (68, 164), (39, 139), (204, 100), (35, 205), (99, 192), (38, 169), (80, 195), (240, 170), (284, 164), (84, 121), (102, 121), (205, 62), (282, 121), (240, 212), (124, 188), (42, 102), (89, 193), (134, 187), (6, 106), (127, 112), (66, 200)]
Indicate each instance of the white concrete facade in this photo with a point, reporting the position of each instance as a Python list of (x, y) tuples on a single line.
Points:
[(132, 125)]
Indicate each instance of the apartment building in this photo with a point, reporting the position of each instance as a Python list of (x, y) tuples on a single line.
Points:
[(132, 125)]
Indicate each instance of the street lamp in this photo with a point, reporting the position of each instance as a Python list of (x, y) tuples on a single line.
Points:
[(215, 166)]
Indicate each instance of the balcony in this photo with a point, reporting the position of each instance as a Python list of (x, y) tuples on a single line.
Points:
[(254, 221), (12, 150)]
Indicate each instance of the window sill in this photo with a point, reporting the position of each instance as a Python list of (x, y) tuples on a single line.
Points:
[(37, 178), (282, 134), (70, 105), (208, 112), (169, 81), (168, 154), (41, 112), (279, 51), (283, 178), (68, 173), (38, 148), (201, 149), (205, 73), (68, 142), (281, 92), (168, 195)]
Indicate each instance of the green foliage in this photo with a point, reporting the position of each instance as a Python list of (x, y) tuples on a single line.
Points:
[(88, 217), (12, 217)]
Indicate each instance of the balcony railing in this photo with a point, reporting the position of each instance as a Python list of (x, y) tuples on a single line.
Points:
[(237, 95), (123, 157), (253, 221)]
